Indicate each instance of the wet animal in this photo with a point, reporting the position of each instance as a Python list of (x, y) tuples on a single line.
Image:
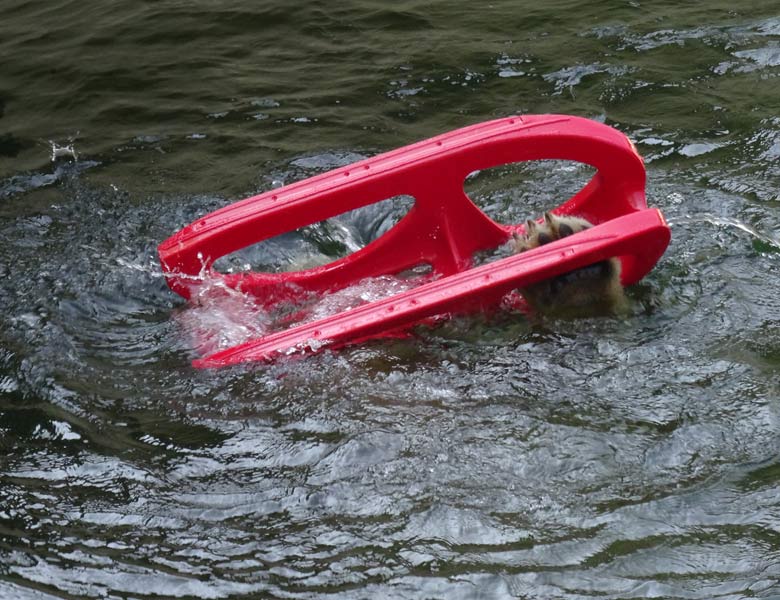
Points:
[(592, 290)]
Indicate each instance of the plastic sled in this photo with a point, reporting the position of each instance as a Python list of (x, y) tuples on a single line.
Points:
[(442, 230)]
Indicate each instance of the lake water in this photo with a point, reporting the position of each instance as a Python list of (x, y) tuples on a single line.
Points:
[(633, 457)]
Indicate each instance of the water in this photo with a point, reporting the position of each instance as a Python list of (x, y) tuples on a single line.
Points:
[(488, 458)]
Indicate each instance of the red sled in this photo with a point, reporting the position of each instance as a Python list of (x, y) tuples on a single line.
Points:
[(443, 230)]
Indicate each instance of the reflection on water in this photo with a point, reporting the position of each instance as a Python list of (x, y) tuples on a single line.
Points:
[(490, 457)]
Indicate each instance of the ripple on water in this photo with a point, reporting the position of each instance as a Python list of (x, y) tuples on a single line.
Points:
[(490, 457), (402, 467)]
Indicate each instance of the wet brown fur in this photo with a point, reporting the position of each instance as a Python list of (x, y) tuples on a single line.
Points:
[(589, 291)]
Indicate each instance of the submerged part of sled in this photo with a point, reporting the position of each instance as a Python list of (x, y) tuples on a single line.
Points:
[(442, 230)]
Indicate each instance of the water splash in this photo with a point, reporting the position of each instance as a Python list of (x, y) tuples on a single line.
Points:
[(65, 149), (220, 317)]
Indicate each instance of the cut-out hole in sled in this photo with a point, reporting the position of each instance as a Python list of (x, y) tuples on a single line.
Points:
[(511, 193), (318, 243), (443, 229)]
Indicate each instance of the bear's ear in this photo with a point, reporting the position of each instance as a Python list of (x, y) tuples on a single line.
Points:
[(552, 223), (531, 229)]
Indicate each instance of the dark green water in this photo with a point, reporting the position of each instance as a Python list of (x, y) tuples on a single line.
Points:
[(606, 458)]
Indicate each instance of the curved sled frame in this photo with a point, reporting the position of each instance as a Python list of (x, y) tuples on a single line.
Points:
[(443, 229)]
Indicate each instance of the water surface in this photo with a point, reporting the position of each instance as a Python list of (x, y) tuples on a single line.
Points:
[(488, 458)]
